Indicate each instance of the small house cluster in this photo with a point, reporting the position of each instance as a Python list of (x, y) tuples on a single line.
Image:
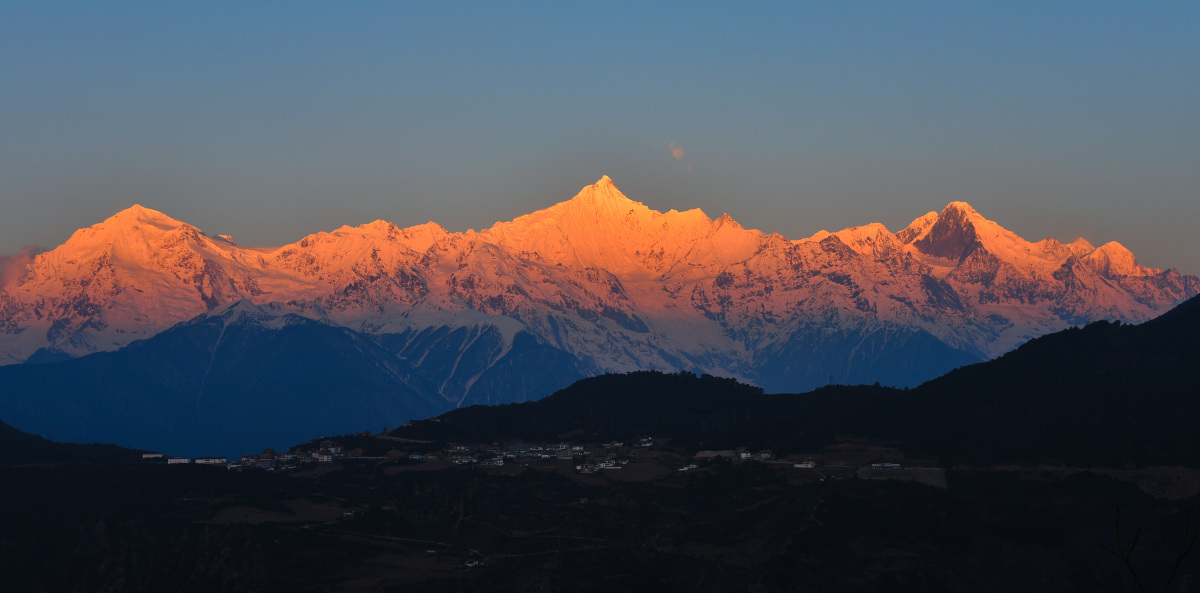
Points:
[(591, 467), (591, 457), (269, 459), (741, 454)]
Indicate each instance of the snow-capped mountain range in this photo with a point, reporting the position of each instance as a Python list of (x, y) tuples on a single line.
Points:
[(604, 281)]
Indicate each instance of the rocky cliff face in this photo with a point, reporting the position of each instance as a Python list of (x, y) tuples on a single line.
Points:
[(599, 283)]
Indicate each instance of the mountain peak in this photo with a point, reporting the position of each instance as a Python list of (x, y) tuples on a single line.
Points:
[(960, 230), (726, 220), (953, 234), (961, 208), (377, 228), (870, 239), (918, 228), (1113, 259), (138, 213), (950, 224), (603, 187), (122, 228), (1081, 247), (599, 200)]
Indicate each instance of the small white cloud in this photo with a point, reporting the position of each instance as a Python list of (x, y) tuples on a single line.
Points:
[(676, 150), (12, 267)]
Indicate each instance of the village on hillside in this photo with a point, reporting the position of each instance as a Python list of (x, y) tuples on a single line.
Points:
[(642, 458)]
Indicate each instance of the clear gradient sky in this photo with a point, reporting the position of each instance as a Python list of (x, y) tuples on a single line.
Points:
[(270, 121)]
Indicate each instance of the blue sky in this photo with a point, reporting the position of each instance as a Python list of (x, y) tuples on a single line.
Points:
[(270, 121)]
